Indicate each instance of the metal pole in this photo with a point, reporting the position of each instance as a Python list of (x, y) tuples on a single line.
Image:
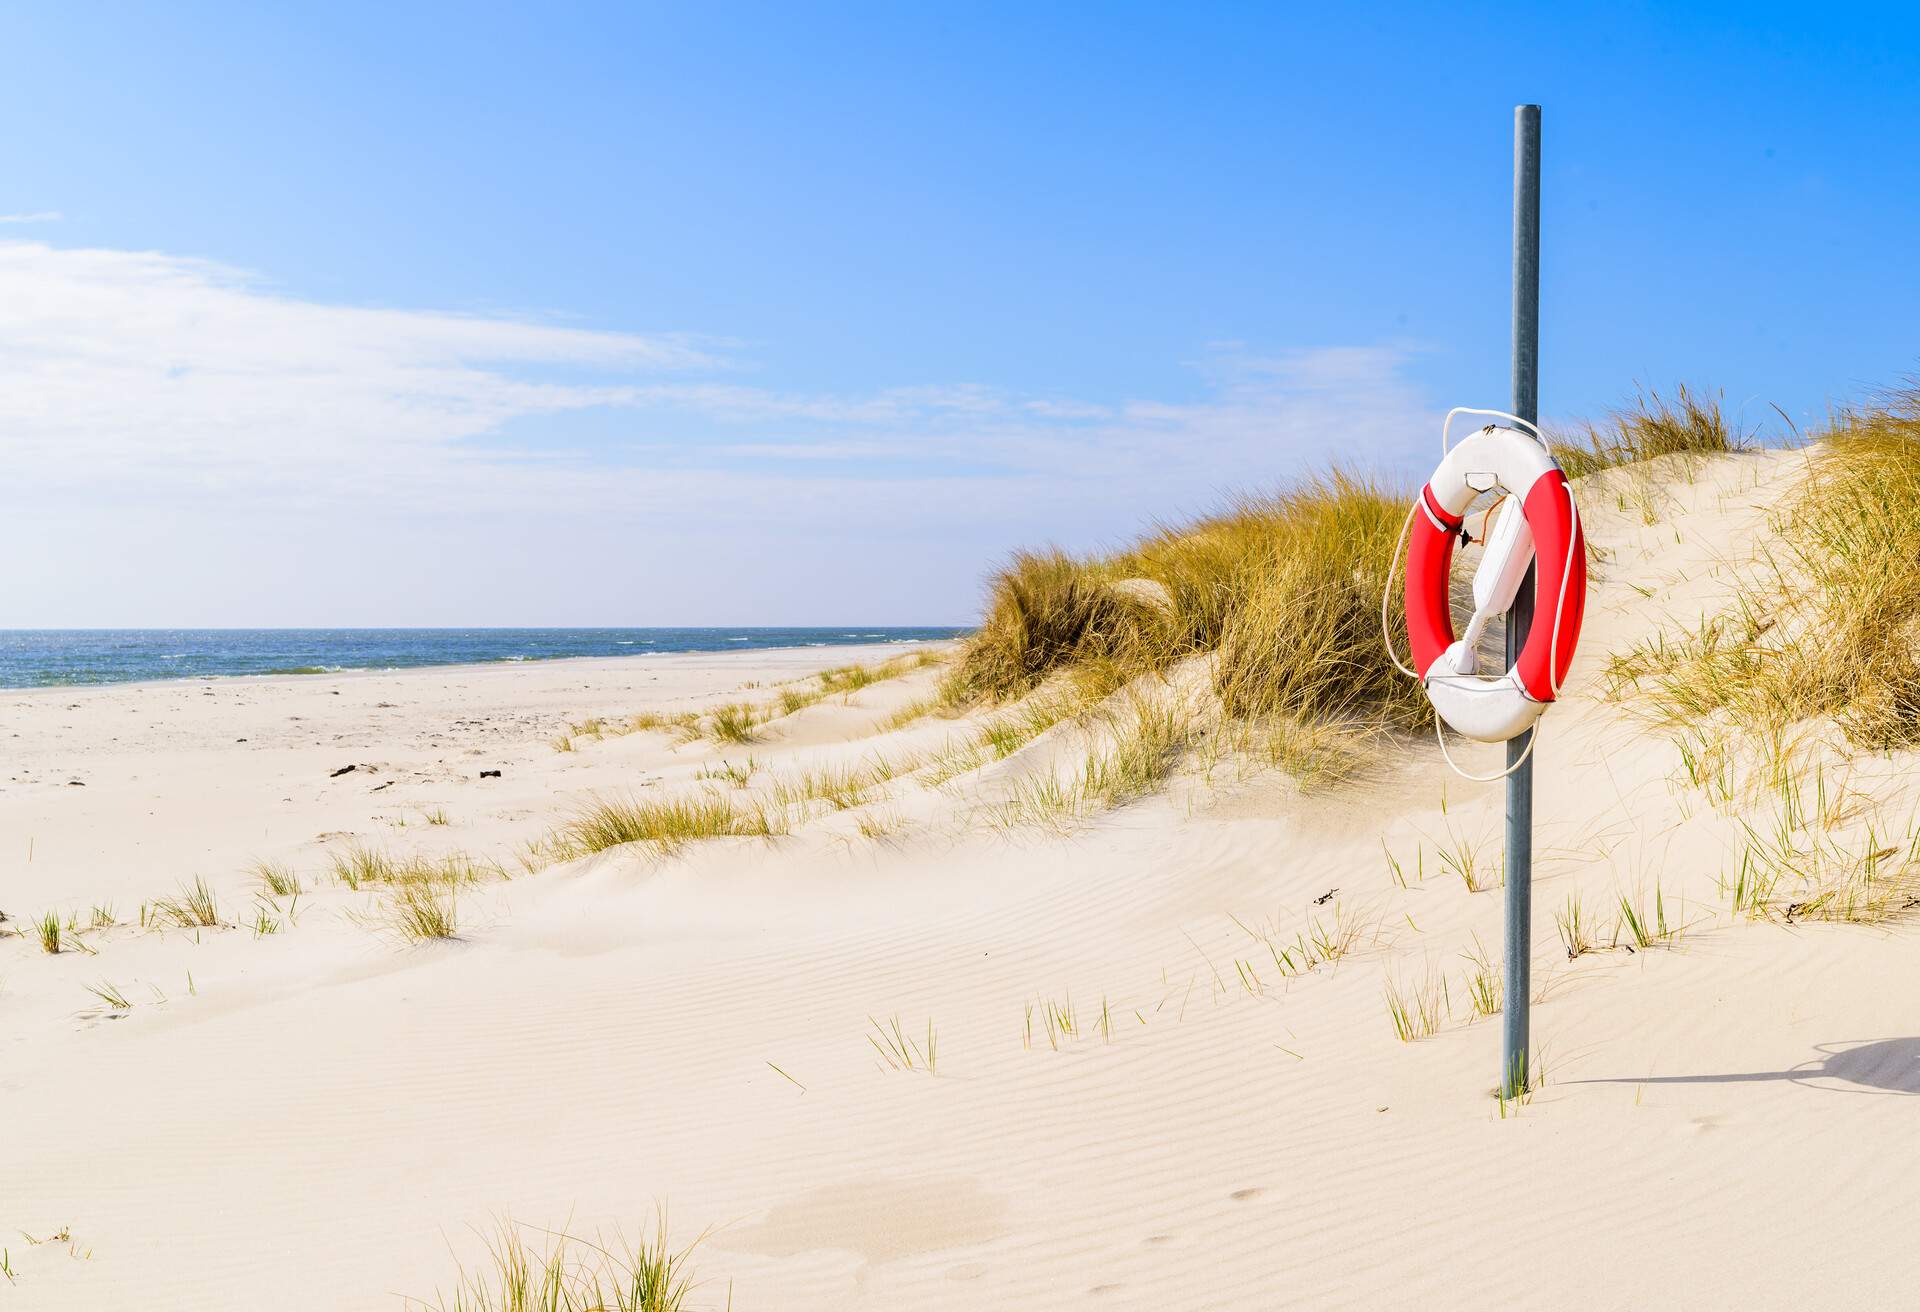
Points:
[(1526, 404)]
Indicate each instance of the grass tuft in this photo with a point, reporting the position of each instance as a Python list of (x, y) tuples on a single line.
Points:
[(1648, 427), (570, 1274), (279, 880), (110, 994), (901, 1051), (418, 911), (1419, 1007), (193, 907), (670, 823)]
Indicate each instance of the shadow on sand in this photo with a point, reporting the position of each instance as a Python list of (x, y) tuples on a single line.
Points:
[(1882, 1066)]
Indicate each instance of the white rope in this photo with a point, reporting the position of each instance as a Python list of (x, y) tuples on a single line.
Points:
[(1533, 736)]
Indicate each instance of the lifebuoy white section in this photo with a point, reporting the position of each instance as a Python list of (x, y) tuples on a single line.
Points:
[(1538, 524)]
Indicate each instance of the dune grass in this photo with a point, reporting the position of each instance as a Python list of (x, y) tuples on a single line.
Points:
[(735, 722), (1639, 926), (669, 823), (193, 907), (1283, 591), (1486, 985), (841, 788), (1059, 1022), (1146, 737), (1832, 631), (1575, 927), (110, 993), (1418, 1007), (417, 911), (277, 878), (1648, 427), (47, 930), (1323, 940), (567, 1273), (358, 866), (741, 722), (1798, 867), (902, 1051)]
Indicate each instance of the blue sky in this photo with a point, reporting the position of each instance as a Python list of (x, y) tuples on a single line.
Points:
[(783, 314)]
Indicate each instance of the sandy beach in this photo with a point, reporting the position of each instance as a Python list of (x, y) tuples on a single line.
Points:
[(1132, 1103)]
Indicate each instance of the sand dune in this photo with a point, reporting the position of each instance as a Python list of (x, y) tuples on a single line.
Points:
[(323, 1117)]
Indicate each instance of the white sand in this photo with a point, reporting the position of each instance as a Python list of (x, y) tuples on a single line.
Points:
[(326, 1119)]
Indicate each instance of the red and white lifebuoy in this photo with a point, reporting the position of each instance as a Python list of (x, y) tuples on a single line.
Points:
[(1546, 530)]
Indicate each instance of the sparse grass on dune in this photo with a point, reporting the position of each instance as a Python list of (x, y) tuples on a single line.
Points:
[(736, 722), (193, 907), (902, 1051), (359, 865), (669, 823), (278, 879), (740, 722), (1486, 984), (1145, 741), (840, 788), (566, 1273), (1833, 631), (1646, 428), (110, 993), (1800, 866), (417, 911), (1418, 1007)]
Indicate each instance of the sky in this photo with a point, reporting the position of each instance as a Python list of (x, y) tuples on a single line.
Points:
[(792, 314)]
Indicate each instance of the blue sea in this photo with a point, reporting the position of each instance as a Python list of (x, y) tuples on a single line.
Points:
[(40, 658)]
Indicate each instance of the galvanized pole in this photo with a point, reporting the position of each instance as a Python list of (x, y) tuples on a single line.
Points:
[(1526, 404)]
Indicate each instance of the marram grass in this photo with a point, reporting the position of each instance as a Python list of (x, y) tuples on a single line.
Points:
[(542, 1271), (1284, 590), (1690, 423), (1833, 631)]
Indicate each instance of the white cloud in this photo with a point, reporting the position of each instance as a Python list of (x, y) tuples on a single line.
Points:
[(34, 216), (134, 384)]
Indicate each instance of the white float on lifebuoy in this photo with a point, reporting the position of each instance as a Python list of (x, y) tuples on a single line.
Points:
[(1547, 528)]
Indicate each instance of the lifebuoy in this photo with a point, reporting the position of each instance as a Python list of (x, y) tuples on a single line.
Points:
[(1545, 530)]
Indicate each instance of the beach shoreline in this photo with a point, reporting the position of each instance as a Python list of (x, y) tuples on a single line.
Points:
[(857, 652)]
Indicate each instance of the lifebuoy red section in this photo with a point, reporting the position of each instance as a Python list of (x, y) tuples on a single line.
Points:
[(1549, 511), (1429, 563)]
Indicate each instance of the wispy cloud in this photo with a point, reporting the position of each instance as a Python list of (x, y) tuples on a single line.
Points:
[(138, 383), (34, 216)]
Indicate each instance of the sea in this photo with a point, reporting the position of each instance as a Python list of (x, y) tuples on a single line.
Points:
[(42, 658)]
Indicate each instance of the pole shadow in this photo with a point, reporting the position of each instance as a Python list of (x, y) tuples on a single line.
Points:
[(1883, 1066)]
